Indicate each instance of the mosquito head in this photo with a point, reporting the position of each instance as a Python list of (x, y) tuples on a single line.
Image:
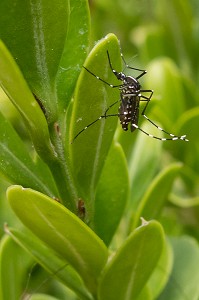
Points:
[(120, 76)]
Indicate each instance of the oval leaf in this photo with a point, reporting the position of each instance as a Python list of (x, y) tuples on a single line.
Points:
[(17, 165), (38, 49), (74, 52), (92, 98), (127, 273), (13, 83), (48, 259), (160, 276), (140, 163), (62, 231), (112, 194), (14, 262)]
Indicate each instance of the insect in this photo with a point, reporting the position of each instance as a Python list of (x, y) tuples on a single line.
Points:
[(131, 95)]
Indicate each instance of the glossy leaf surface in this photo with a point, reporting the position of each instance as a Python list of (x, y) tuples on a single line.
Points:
[(63, 231), (75, 50), (92, 98), (140, 163), (17, 165), (127, 273), (38, 49), (162, 272), (46, 257), (51, 49), (13, 266), (13, 83), (112, 194)]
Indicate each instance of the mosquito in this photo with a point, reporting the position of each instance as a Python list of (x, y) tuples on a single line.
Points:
[(131, 94)]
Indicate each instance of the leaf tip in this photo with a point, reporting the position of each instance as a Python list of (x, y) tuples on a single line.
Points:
[(11, 190), (6, 229), (13, 187), (144, 222)]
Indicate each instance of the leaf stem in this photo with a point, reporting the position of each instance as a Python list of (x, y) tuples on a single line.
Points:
[(60, 167)]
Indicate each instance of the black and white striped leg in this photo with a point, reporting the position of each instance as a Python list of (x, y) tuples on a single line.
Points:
[(143, 72), (89, 125), (105, 114), (145, 97), (98, 78), (172, 138)]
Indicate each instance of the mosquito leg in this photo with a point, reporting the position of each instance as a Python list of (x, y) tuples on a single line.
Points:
[(173, 137), (105, 114), (126, 65), (89, 125), (143, 72), (146, 99), (158, 127), (97, 77)]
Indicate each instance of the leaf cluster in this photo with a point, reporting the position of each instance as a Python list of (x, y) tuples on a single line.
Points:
[(78, 203)]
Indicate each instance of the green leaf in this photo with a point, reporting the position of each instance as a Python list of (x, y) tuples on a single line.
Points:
[(160, 276), (183, 283), (42, 297), (13, 266), (145, 294), (63, 231), (48, 259), (74, 52), (140, 163), (35, 120), (17, 165), (112, 194), (128, 271), (52, 49), (18, 91), (156, 195), (38, 48), (92, 98)]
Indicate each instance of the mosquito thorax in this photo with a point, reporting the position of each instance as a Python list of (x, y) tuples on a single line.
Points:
[(132, 83)]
